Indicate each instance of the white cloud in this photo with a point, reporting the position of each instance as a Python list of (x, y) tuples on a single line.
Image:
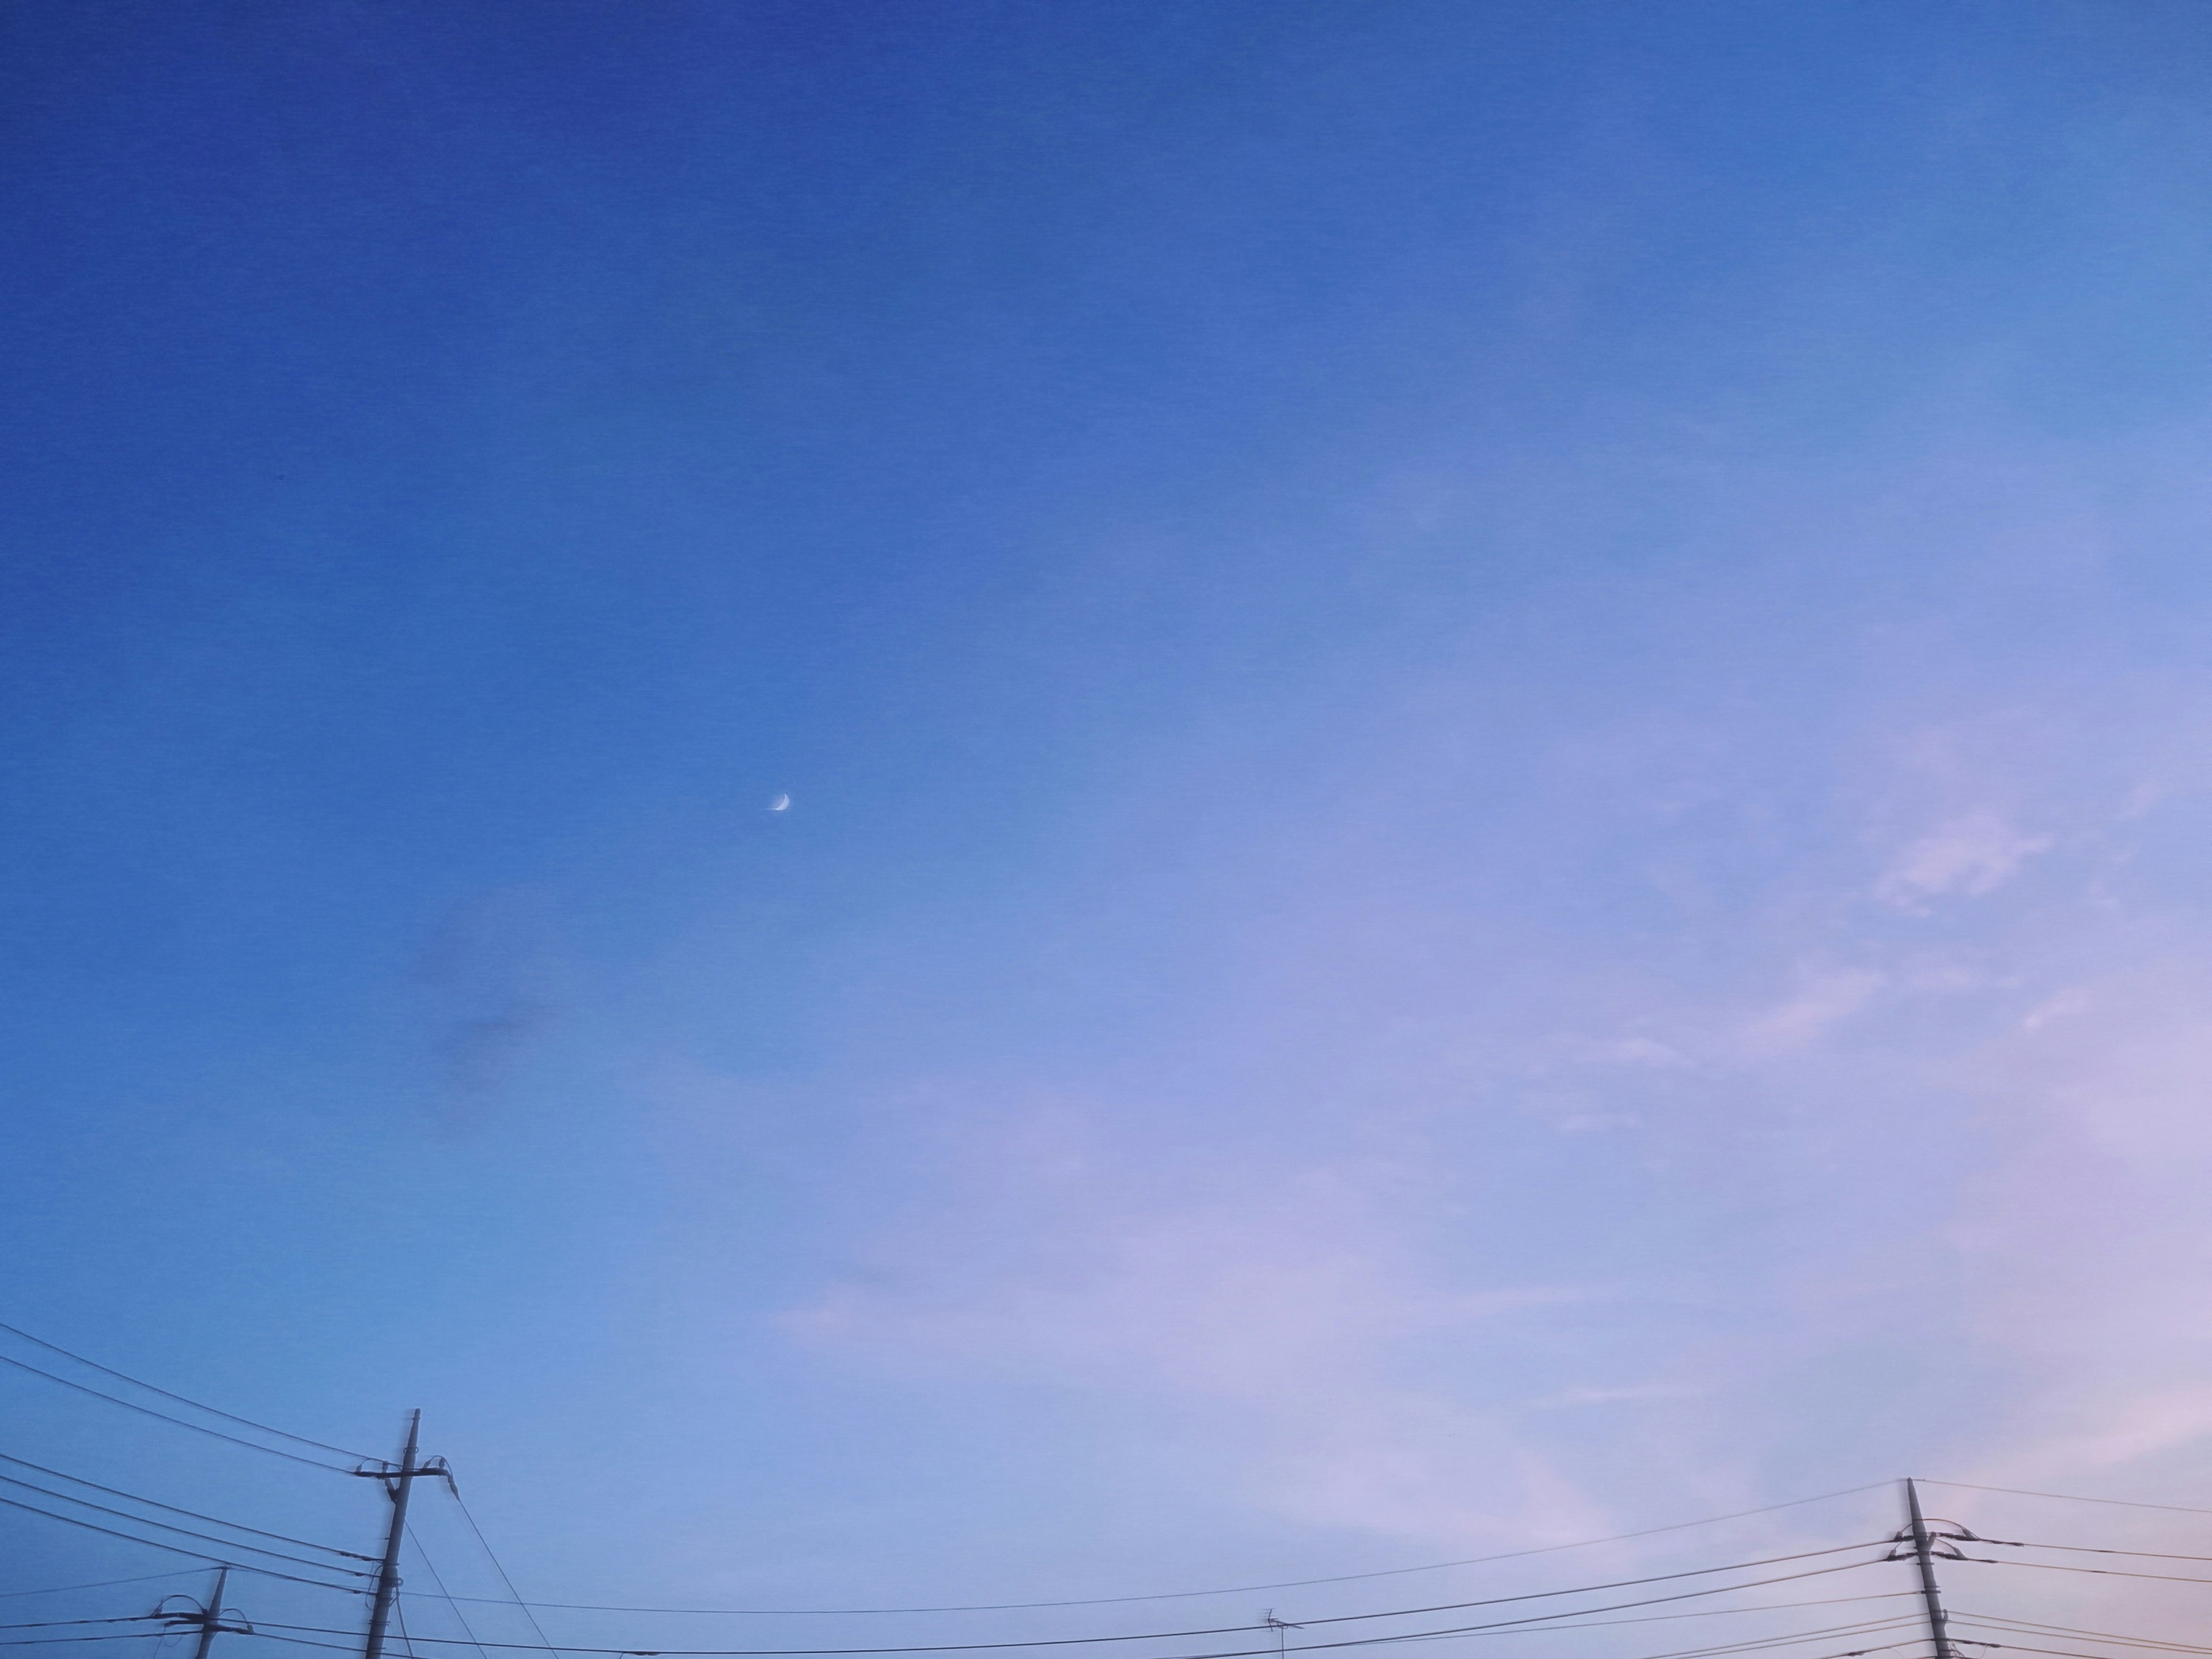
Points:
[(1826, 998), (1973, 854)]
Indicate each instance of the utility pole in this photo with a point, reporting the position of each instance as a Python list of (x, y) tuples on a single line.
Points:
[(213, 1615), (1925, 1548), (208, 1618), (395, 1485)]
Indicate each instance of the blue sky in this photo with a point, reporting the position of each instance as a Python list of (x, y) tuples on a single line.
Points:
[(1495, 720)]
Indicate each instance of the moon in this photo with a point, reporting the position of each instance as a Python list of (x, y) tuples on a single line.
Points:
[(781, 803)]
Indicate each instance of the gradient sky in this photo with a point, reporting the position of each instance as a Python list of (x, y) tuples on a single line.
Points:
[(1498, 722)]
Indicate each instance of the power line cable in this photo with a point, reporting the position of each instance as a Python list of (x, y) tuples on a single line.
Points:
[(2067, 1497), (2092, 1549), (1998, 1620), (2132, 1643), (491, 1556), (1518, 1625), (114, 1636), (104, 1583), (196, 1428), (2101, 1572), (1231, 1629), (1233, 1589), (186, 1532), (152, 1502), (1717, 1613), (1769, 1643), (228, 1417), (1241, 1653), (173, 1549), (266, 1634), (1763, 1643), (116, 1618), (1749, 1645), (439, 1579)]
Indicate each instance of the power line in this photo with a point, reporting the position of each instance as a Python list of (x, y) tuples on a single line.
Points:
[(115, 1636), (1750, 1644), (490, 1556), (1760, 1644), (2101, 1572), (186, 1532), (174, 1549), (196, 1428), (2070, 1497), (104, 1583), (235, 1526), (51, 1624), (229, 1417), (1241, 1653), (1231, 1629), (1997, 1621), (1519, 1624), (439, 1579), (1766, 1607), (1767, 1645), (2092, 1549), (267, 1632), (1182, 1596)]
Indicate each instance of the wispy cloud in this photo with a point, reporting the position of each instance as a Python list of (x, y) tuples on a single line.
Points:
[(1282, 1305), (1969, 855)]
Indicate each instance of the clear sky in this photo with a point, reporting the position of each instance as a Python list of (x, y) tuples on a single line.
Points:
[(1498, 722)]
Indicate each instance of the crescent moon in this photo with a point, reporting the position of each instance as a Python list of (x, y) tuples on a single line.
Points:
[(778, 803)]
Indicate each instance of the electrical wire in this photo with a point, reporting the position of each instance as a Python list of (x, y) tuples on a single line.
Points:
[(1231, 1629), (1716, 1612), (196, 1428), (2001, 1622), (1748, 1644), (439, 1579), (2066, 1497), (2101, 1572), (1184, 1596), (1767, 1645), (1241, 1653), (118, 1619), (173, 1549), (187, 1532), (228, 1417), (1692, 1653), (113, 1636), (1334, 1619), (235, 1526), (2091, 1549), (104, 1583), (2029, 1626), (455, 1489)]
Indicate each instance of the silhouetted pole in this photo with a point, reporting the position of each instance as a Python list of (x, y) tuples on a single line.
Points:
[(387, 1578), (213, 1612), (1924, 1552)]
